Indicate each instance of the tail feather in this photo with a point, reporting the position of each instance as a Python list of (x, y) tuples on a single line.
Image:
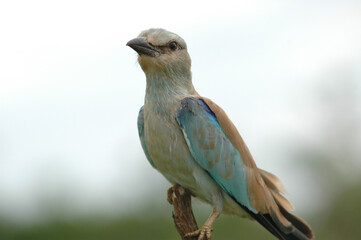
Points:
[(300, 230), (297, 229), (298, 223), (281, 200), (272, 182), (266, 221)]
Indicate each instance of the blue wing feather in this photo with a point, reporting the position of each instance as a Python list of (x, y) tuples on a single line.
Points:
[(212, 149), (141, 135)]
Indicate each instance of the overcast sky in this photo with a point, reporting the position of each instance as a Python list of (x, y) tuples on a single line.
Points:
[(70, 90)]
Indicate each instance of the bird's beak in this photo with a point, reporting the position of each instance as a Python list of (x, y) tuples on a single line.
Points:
[(141, 46)]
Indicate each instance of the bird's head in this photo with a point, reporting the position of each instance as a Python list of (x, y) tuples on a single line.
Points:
[(162, 52)]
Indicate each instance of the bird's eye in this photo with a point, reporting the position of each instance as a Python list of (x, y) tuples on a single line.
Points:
[(173, 46)]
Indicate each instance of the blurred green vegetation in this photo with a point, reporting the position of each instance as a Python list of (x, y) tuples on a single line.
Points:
[(130, 228), (341, 221)]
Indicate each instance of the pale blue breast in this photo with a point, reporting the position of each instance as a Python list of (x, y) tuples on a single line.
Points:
[(166, 145), (170, 154)]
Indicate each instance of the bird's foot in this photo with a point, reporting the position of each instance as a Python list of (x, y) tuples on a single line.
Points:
[(205, 233)]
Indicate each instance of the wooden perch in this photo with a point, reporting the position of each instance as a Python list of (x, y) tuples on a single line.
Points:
[(183, 216)]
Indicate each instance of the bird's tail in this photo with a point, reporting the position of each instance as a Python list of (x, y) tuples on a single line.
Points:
[(301, 229), (298, 228)]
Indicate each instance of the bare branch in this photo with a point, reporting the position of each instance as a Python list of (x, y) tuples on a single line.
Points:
[(183, 216)]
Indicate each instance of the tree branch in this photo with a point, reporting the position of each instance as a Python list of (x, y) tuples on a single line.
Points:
[(183, 216)]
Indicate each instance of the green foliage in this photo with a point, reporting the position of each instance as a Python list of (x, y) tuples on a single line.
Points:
[(151, 228), (344, 218), (341, 221), (155, 228)]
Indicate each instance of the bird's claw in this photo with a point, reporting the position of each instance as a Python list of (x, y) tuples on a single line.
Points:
[(205, 233)]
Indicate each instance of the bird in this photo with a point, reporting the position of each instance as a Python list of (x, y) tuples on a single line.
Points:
[(191, 141)]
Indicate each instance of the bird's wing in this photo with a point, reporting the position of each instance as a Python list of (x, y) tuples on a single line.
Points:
[(141, 135), (214, 146), (218, 148)]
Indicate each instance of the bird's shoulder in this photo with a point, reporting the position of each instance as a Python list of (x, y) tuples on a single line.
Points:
[(215, 112)]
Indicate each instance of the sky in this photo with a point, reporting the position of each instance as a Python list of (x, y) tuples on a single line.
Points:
[(70, 90)]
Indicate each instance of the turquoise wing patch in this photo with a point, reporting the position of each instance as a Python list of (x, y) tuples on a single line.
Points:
[(212, 150)]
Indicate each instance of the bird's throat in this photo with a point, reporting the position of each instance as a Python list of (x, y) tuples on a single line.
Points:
[(164, 88)]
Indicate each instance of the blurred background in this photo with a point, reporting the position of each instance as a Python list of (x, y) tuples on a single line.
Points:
[(71, 166)]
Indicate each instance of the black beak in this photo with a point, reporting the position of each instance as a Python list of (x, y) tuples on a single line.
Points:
[(141, 46)]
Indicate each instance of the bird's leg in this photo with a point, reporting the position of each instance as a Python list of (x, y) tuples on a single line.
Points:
[(206, 230)]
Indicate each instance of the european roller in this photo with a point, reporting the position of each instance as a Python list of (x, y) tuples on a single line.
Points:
[(191, 141)]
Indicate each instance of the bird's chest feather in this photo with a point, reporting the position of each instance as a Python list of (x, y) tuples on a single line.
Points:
[(165, 143)]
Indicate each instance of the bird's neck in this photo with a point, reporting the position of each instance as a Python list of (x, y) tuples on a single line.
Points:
[(164, 89)]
